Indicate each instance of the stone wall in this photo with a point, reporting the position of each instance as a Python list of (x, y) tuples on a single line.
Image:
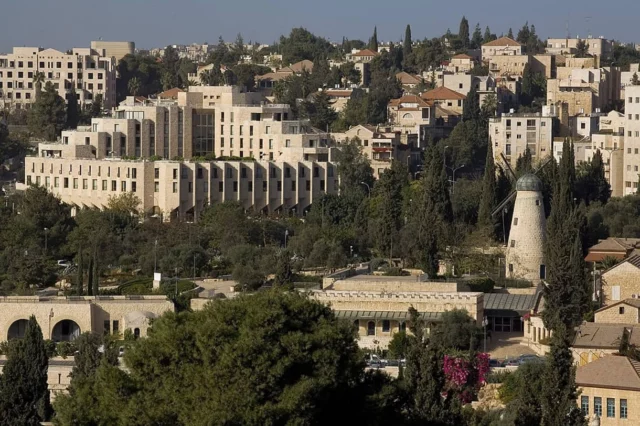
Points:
[(614, 315), (624, 275), (401, 301), (391, 284)]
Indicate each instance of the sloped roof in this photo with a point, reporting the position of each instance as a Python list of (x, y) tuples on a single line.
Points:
[(442, 93), (443, 112), (512, 302), (600, 335), (413, 99), (298, 67), (462, 56), (631, 302), (406, 78), (171, 93), (612, 372), (611, 247), (274, 76), (365, 52), (503, 41)]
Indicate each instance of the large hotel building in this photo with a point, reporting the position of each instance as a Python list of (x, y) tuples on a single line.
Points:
[(162, 150)]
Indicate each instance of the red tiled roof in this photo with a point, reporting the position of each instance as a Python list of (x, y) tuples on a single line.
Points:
[(171, 93), (503, 41), (413, 99), (365, 52), (442, 93)]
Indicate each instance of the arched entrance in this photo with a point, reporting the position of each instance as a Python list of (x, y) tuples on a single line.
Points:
[(65, 331), (17, 329)]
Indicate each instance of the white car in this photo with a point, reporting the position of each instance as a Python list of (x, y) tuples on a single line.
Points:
[(64, 263)]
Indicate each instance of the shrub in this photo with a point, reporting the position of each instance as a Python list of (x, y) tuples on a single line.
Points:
[(482, 285)]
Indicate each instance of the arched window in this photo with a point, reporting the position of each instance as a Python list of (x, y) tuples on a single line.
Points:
[(17, 329), (136, 333), (407, 116), (65, 331), (371, 328)]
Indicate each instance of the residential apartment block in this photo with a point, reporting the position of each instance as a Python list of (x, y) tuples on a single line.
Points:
[(286, 161), (512, 134), (117, 49), (504, 46), (87, 72), (632, 140), (600, 47)]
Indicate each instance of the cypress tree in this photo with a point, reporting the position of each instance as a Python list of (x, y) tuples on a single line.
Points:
[(24, 393), (476, 38), (407, 46), (510, 33), (73, 112), (90, 277), (487, 35), (488, 202), (463, 33), (96, 274), (373, 43), (80, 273), (558, 399), (471, 106)]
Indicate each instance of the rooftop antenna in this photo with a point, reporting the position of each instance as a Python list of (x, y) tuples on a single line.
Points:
[(567, 25), (587, 19)]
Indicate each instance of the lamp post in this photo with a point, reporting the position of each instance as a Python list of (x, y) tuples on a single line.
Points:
[(368, 187), (453, 177), (484, 326), (46, 233), (50, 316), (155, 256)]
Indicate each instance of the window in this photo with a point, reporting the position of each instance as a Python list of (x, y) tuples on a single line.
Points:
[(386, 326), (220, 187), (371, 328), (156, 187), (114, 185), (250, 186), (511, 267), (293, 185), (175, 187), (175, 173), (107, 327), (621, 310), (513, 243), (85, 184), (235, 186), (190, 186), (537, 202), (615, 292), (584, 404), (515, 221), (597, 406), (94, 184), (104, 185), (623, 408), (543, 272), (611, 407), (116, 327)]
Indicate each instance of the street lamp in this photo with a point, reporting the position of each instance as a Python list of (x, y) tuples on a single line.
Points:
[(485, 322), (368, 187), (351, 251), (46, 231), (155, 256), (453, 178)]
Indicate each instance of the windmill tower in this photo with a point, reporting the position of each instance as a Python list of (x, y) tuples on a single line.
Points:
[(528, 230)]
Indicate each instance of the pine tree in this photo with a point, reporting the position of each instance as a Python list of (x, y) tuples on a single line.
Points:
[(48, 115), (524, 163), (487, 35), (463, 33), (373, 42), (476, 39), (510, 34), (488, 202), (24, 393), (73, 112)]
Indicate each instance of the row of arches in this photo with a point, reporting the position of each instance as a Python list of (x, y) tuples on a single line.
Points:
[(63, 331)]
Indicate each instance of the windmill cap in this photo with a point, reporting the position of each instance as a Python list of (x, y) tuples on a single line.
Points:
[(529, 182)]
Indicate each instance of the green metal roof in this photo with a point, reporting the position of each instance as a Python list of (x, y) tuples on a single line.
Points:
[(385, 315), (509, 302)]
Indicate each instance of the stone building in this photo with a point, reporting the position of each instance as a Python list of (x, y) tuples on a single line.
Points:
[(599, 47), (631, 140), (527, 236), (609, 388), (85, 72), (512, 134), (626, 311), (504, 46), (621, 281), (65, 318), (116, 49)]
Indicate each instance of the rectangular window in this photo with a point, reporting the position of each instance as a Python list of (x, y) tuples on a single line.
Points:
[(220, 187), (611, 407), (597, 406), (386, 326), (513, 243), (623, 409), (264, 186), (107, 327), (104, 185), (235, 186), (156, 187), (85, 184), (157, 173), (94, 184), (175, 173), (322, 185), (116, 327), (114, 185), (123, 186), (175, 187), (250, 186), (75, 183)]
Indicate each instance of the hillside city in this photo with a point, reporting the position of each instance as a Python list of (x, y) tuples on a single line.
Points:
[(440, 232)]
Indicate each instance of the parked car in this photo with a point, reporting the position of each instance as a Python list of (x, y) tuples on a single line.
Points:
[(496, 363), (512, 362), (529, 358), (374, 361), (64, 263)]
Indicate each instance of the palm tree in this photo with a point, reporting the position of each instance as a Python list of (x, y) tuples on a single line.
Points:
[(192, 82), (205, 77), (134, 86)]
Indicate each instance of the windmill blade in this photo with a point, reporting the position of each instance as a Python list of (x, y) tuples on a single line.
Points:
[(504, 203), (544, 163), (506, 163)]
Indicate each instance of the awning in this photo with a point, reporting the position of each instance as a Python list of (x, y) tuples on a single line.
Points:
[(517, 303), (386, 315)]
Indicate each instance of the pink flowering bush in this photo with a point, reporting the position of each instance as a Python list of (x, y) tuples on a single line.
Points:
[(464, 376)]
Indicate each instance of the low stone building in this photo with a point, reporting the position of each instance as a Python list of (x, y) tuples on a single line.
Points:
[(610, 389), (594, 341), (621, 282), (624, 312), (65, 318)]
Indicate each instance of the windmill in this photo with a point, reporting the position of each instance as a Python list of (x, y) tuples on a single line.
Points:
[(527, 235)]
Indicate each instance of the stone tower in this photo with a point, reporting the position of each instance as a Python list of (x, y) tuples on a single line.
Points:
[(525, 248)]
